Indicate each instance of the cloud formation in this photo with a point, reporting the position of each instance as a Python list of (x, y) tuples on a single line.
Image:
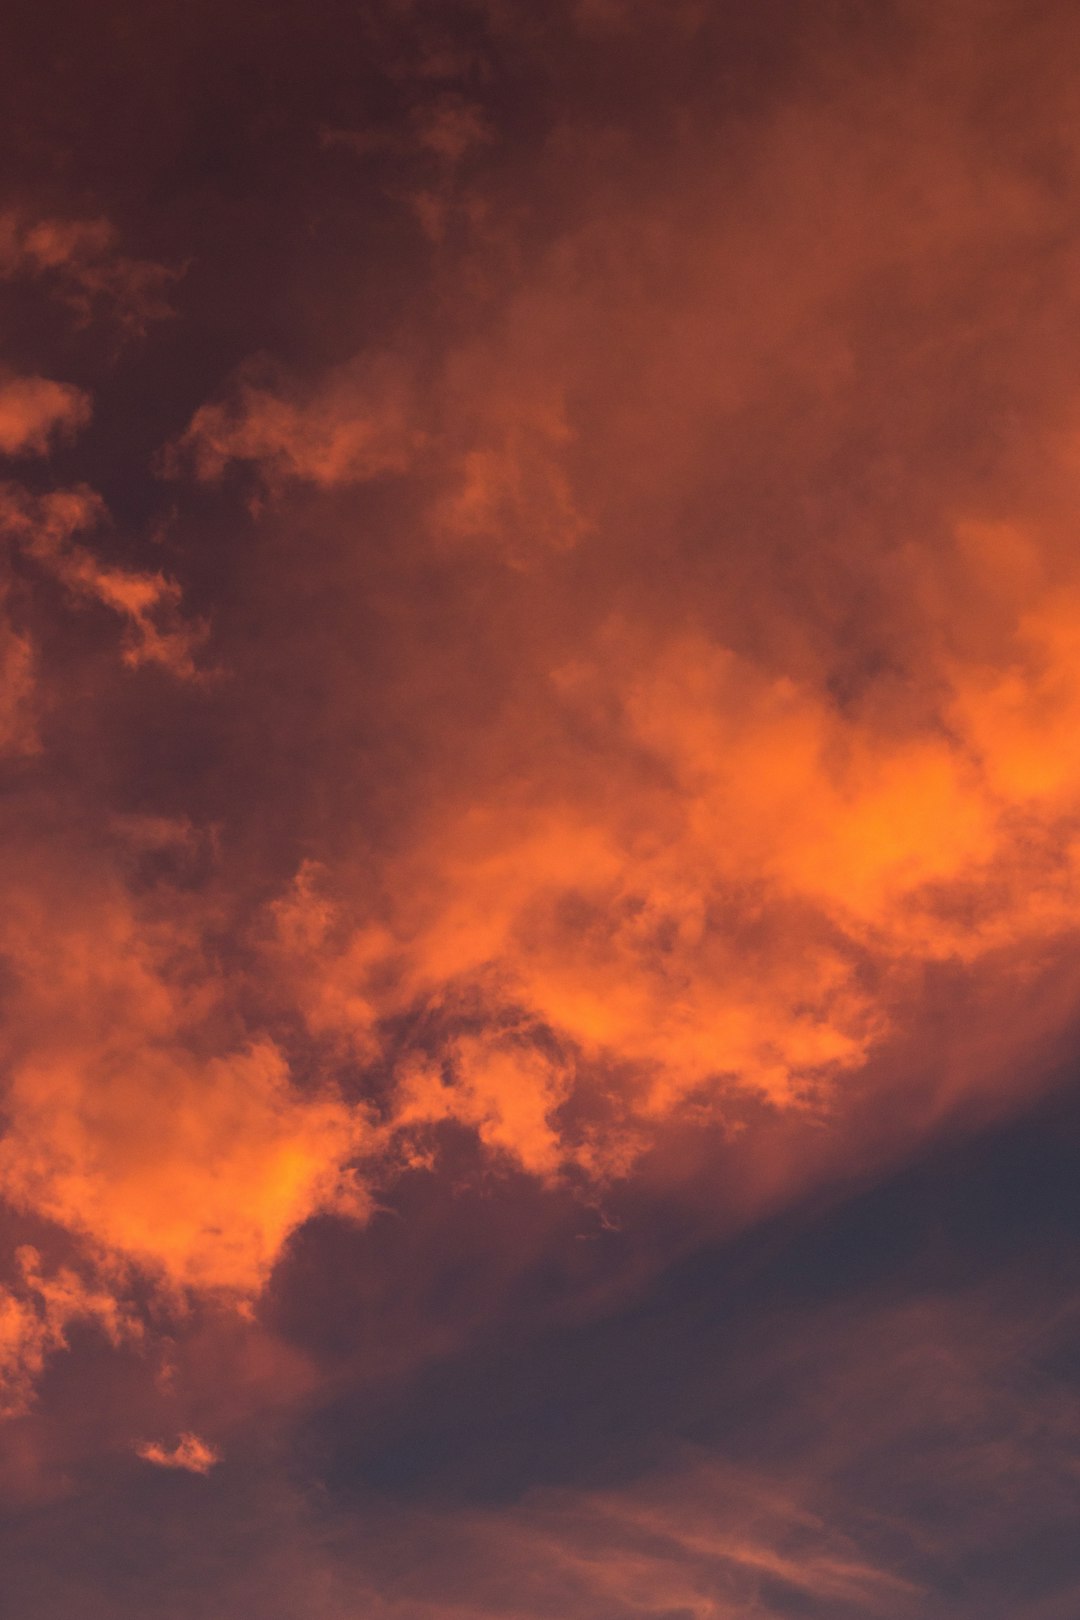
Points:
[(35, 1319), (355, 426), (688, 862), (44, 526), (538, 682), (190, 1453), (81, 258), (35, 410)]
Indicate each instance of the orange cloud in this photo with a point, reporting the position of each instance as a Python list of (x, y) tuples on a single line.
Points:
[(190, 1453), (507, 1092), (740, 895), (148, 603), (686, 704), (35, 1316), (355, 427), (240, 1159), (34, 411), (130, 1131)]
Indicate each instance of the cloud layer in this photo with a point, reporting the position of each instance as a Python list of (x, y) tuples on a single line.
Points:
[(539, 630)]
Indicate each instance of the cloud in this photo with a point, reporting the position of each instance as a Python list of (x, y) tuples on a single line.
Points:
[(190, 1453), (18, 731), (35, 411), (845, 1516), (701, 1544), (80, 257), (806, 1490), (356, 426), (35, 1316), (696, 805), (507, 1092), (511, 490), (446, 127), (44, 526), (742, 896), (715, 841), (637, 788), (126, 1128)]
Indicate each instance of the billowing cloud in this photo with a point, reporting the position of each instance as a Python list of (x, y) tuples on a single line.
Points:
[(538, 723), (126, 1124)]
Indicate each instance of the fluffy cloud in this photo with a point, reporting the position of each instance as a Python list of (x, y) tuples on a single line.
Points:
[(618, 770), (34, 411), (127, 1126), (190, 1453)]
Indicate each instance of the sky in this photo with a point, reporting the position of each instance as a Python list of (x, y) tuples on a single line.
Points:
[(539, 810)]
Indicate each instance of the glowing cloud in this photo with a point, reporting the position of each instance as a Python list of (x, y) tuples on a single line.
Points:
[(190, 1453), (542, 708)]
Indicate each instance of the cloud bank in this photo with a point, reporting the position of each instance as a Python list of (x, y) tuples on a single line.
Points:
[(539, 630)]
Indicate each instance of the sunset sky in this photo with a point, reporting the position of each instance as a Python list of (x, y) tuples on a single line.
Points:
[(540, 810)]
